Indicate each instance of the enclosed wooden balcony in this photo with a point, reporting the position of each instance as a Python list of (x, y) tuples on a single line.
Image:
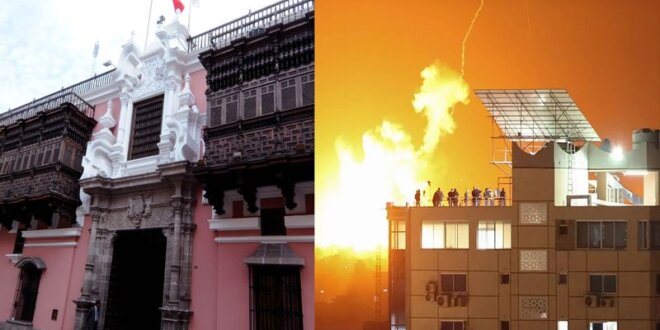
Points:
[(41, 150)]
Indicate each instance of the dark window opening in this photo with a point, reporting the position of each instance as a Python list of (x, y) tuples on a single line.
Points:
[(642, 235), (654, 235), (309, 203), (276, 298), (237, 209), (504, 325), (602, 284), (602, 235), (453, 282), (272, 222), (452, 325), (19, 242), (504, 279), (563, 278), (26, 293), (147, 118)]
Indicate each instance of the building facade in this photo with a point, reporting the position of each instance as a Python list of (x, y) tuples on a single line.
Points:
[(128, 189), (540, 261)]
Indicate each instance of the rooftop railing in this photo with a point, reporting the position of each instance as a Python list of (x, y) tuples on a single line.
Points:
[(280, 12), (46, 103), (68, 94)]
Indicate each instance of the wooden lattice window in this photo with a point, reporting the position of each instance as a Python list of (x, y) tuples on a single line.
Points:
[(147, 119), (276, 300)]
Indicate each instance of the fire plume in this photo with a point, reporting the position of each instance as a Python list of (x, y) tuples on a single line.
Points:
[(391, 168)]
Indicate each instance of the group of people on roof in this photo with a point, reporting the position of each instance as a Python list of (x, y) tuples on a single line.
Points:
[(476, 196)]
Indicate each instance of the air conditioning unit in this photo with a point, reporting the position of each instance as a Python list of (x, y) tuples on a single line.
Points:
[(606, 302), (592, 300), (444, 300), (461, 300), (431, 290)]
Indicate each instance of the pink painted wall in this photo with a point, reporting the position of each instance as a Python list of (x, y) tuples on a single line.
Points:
[(233, 285), (100, 110), (76, 276), (9, 274), (60, 282), (204, 273), (306, 251), (198, 87), (53, 285)]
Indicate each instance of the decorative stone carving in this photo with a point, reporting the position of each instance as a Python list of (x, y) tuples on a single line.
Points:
[(97, 161), (152, 78), (139, 207)]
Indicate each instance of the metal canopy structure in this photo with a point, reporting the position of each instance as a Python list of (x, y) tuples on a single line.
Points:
[(537, 115)]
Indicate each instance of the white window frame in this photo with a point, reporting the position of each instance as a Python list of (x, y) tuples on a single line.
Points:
[(494, 235), (444, 230)]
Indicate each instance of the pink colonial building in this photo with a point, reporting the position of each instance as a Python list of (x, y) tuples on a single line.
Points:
[(177, 189)]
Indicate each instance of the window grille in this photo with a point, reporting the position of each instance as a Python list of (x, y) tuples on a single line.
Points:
[(147, 118), (276, 298), (26, 293)]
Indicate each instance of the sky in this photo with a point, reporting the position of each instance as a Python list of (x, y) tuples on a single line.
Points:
[(370, 55), (49, 44)]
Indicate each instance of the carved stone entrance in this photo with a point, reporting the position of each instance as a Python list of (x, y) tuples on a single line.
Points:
[(135, 290), (159, 202)]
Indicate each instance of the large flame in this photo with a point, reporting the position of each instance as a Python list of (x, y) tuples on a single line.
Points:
[(392, 167)]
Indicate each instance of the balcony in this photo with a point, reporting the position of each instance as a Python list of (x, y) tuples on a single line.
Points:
[(252, 24), (41, 150)]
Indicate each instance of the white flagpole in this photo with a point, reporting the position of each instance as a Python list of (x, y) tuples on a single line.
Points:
[(146, 38), (189, 14)]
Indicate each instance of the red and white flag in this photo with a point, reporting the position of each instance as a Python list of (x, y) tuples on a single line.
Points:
[(178, 5)]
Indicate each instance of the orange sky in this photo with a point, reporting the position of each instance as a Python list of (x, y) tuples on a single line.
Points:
[(370, 54)]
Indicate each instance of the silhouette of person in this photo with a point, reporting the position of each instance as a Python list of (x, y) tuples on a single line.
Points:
[(93, 316), (436, 197), (417, 196)]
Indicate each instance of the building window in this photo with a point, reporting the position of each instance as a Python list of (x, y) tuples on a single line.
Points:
[(603, 325), (26, 292), (642, 235), (272, 222), (602, 284), (563, 278), (654, 235), (562, 325), (504, 278), (602, 235), (504, 325), (453, 282), (453, 325), (398, 234), (147, 118), (276, 301), (445, 235), (19, 242), (494, 235)]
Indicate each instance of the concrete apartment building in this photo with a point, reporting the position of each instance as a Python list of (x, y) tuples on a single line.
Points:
[(572, 249)]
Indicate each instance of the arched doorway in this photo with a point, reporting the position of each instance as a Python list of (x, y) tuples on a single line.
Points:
[(27, 289)]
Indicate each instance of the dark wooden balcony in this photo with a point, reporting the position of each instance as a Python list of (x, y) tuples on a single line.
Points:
[(275, 149), (41, 150)]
